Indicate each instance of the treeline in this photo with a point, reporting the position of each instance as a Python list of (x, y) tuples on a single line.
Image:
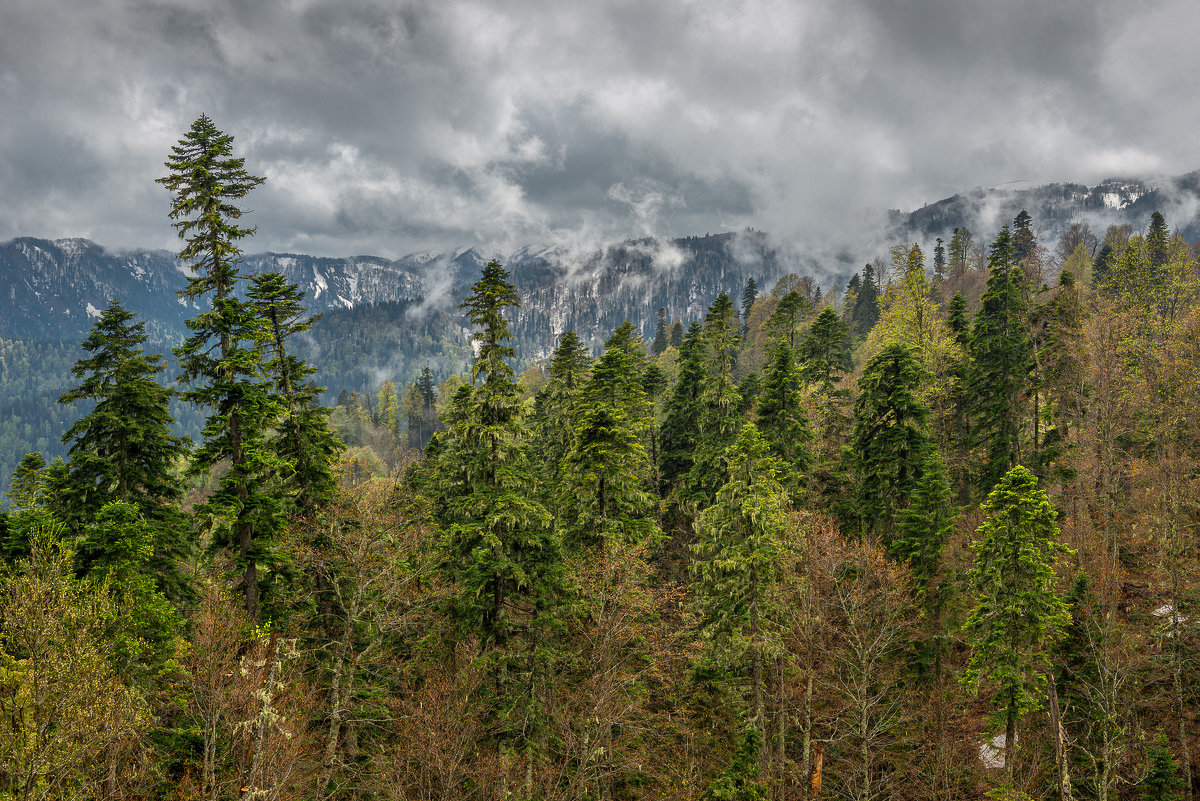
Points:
[(932, 539)]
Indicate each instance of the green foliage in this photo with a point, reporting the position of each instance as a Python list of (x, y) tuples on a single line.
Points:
[(222, 358), (680, 428), (825, 352), (307, 448), (606, 469), (1017, 615), (124, 449), (781, 415), (740, 781), (1162, 779), (888, 441), (719, 400), (1001, 365), (744, 544)]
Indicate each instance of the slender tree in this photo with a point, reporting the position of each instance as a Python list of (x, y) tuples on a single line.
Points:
[(1017, 616), (221, 357)]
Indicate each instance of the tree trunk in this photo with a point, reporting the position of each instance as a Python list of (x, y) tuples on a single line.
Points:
[(254, 764), (806, 766), (1060, 751)]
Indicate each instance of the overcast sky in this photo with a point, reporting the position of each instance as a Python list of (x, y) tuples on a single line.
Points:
[(390, 127)]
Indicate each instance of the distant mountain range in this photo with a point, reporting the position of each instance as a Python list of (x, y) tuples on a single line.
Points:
[(56, 288), (1055, 206)]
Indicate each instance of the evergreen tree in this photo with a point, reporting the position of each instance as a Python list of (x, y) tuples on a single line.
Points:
[(500, 550), (607, 466), (781, 416), (865, 313), (923, 529), (889, 441), (29, 488), (1157, 245), (304, 441), (742, 550), (719, 400), (500, 545), (1162, 781), (660, 333), (749, 295), (960, 251), (825, 353), (939, 261), (1103, 264), (1017, 615), (1001, 364), (1023, 241), (221, 357), (123, 450), (557, 406), (785, 319), (677, 334), (680, 429)]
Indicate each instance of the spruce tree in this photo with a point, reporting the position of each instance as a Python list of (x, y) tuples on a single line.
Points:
[(719, 400), (1017, 616), (660, 333), (221, 357), (680, 430), (865, 313), (557, 407), (749, 295), (500, 551), (123, 450), (742, 552), (500, 546), (607, 467), (1157, 245), (825, 353), (889, 442), (304, 441), (781, 415), (1001, 365)]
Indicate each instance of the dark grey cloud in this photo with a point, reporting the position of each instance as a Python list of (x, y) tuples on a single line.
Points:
[(388, 127)]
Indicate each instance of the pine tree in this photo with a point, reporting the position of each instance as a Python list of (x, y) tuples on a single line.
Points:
[(677, 334), (680, 430), (660, 333), (1023, 241), (889, 442), (749, 295), (742, 551), (1162, 781), (1017, 615), (719, 399), (500, 546), (1157, 245), (221, 357), (304, 440), (781, 416), (1001, 365)]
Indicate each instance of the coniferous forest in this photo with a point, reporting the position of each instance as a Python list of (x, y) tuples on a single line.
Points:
[(935, 539)]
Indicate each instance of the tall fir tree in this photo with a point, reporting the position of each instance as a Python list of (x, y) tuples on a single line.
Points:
[(719, 420), (1001, 365), (303, 439), (680, 429), (743, 548), (889, 442), (1017, 615), (782, 419), (749, 295), (221, 357), (661, 339), (124, 449), (1158, 245)]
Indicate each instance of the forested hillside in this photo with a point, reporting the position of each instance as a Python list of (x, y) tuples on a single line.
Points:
[(934, 540)]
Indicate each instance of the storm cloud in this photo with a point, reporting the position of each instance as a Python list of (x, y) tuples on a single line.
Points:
[(391, 127)]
